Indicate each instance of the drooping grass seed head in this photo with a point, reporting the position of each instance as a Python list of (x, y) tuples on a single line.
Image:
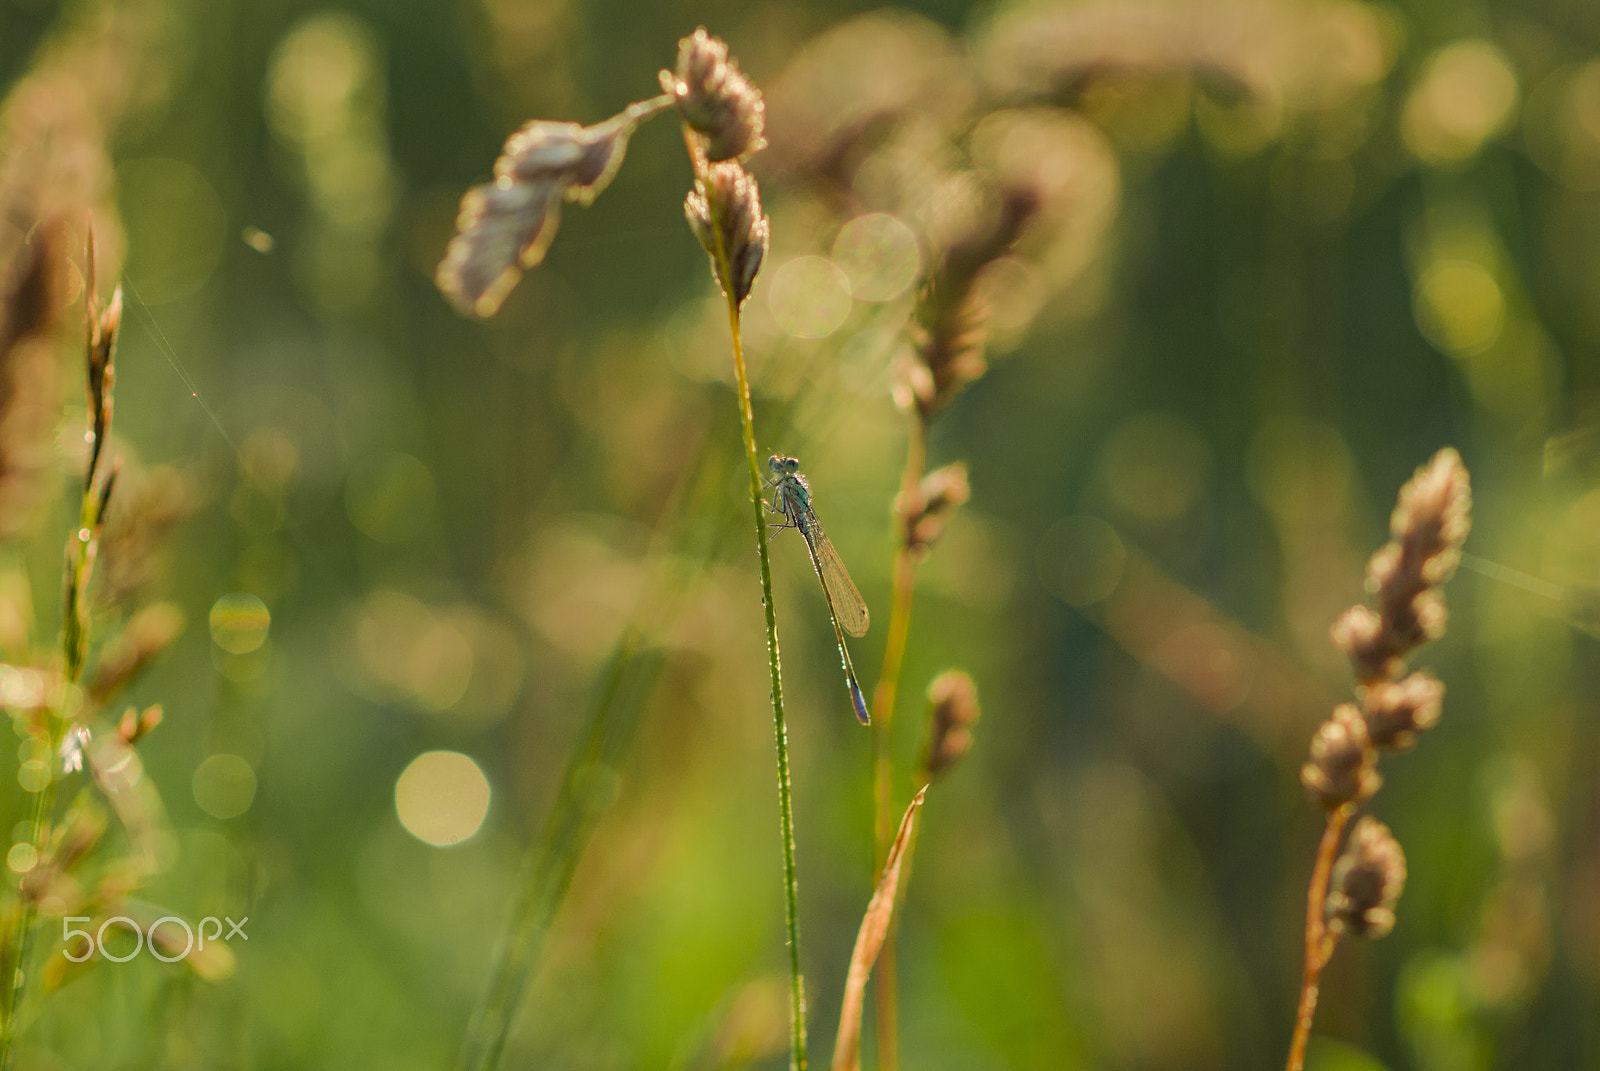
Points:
[(54, 878), (77, 835), (715, 99), (583, 159), (502, 230), (506, 227), (1343, 767), (1367, 881), (725, 208)]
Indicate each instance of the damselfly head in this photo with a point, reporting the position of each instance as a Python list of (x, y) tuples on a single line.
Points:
[(783, 466)]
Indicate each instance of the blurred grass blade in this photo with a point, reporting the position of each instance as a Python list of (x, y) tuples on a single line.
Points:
[(621, 693), (553, 858), (869, 941)]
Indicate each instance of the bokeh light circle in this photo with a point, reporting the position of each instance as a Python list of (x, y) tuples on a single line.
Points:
[(1081, 560), (390, 497), (224, 786), (1156, 466), (810, 297), (1459, 307), (879, 255), (177, 227), (239, 622), (33, 775), (22, 858), (1467, 94), (442, 798)]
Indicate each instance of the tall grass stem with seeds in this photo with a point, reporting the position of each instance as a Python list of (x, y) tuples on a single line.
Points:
[(100, 474), (791, 888), (722, 119), (505, 228), (1354, 890)]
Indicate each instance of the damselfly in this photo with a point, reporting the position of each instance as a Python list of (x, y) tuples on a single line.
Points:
[(791, 497)]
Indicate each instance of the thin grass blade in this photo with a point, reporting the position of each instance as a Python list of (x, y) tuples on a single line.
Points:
[(553, 858), (869, 942)]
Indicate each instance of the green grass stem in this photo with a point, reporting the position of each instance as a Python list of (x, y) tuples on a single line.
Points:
[(791, 889)]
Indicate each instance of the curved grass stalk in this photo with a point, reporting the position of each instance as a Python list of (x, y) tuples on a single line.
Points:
[(1319, 942)]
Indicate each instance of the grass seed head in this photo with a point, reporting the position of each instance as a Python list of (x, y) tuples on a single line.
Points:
[(726, 206), (715, 99), (1343, 768), (506, 226), (1428, 526), (1396, 711), (953, 697), (926, 512), (1367, 881)]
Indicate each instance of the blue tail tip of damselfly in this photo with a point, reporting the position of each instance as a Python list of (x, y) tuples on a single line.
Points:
[(859, 701)]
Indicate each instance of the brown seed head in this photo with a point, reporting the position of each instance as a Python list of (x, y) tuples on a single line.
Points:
[(948, 354), (926, 512), (30, 304), (1428, 527), (576, 158), (1344, 766), (726, 210), (1367, 881), (1359, 633), (715, 99), (953, 698), (502, 230), (948, 326), (505, 227), (1396, 711), (107, 327), (104, 327), (1434, 515)]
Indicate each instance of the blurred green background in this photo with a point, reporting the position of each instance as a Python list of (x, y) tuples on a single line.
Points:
[(1295, 248)]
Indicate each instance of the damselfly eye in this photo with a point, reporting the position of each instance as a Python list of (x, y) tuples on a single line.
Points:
[(783, 466)]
